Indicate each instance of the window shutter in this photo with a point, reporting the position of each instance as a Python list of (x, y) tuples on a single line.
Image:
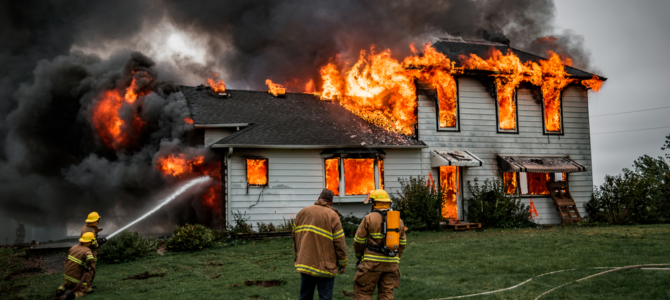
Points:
[(523, 183)]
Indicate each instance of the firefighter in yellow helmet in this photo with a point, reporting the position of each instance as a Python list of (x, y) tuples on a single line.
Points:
[(77, 266), (378, 244), (92, 227)]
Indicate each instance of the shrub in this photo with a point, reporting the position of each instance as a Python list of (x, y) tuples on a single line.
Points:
[(287, 225), (262, 227), (125, 247), (240, 223), (490, 206), (420, 205), (190, 237), (350, 224)]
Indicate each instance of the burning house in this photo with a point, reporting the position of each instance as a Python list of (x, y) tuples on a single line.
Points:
[(458, 112)]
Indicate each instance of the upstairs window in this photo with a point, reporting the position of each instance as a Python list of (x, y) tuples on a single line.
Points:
[(530, 183), (506, 112), (351, 176), (257, 171), (552, 112), (447, 105)]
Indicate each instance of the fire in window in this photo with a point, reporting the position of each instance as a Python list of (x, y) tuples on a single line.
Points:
[(360, 176), (450, 184), (507, 109), (530, 183), (257, 172), (553, 121), (447, 104)]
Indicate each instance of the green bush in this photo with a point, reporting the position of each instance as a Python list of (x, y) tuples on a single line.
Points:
[(350, 224), (263, 227), (125, 247), (190, 237), (420, 206), (240, 223), (490, 206), (287, 225)]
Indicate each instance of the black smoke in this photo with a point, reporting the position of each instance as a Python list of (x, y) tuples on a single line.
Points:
[(53, 165)]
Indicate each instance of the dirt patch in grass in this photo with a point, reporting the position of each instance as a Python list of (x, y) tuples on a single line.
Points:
[(261, 283), (145, 275)]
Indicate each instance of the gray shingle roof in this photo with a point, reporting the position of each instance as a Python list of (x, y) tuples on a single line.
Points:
[(453, 48), (296, 120)]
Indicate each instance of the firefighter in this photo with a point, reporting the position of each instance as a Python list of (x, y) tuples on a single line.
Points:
[(320, 248), (92, 226), (78, 264), (378, 265), (20, 234)]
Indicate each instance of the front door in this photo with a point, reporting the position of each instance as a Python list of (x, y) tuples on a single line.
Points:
[(450, 183)]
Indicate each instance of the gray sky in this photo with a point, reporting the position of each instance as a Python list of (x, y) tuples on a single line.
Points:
[(629, 41)]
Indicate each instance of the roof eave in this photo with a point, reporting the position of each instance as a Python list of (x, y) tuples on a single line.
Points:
[(317, 146)]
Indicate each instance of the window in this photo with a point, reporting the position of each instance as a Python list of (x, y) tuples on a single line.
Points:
[(353, 176), (257, 171), (450, 184), (447, 105), (530, 183), (552, 110), (506, 111)]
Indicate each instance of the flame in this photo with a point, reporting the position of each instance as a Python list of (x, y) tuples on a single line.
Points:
[(332, 82), (537, 183), (115, 132), (257, 171), (333, 175), (450, 185), (554, 80), (380, 163), (594, 83), (177, 165), (188, 120), (217, 84), (309, 87), (274, 88), (511, 183), (359, 176)]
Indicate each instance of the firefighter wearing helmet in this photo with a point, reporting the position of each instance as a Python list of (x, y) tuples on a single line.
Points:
[(92, 227), (77, 268), (378, 244)]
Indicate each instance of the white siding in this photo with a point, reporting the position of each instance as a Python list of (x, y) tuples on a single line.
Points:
[(296, 178), (478, 135)]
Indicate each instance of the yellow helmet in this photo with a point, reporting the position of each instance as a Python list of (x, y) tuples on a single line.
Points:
[(93, 217), (378, 196), (87, 237)]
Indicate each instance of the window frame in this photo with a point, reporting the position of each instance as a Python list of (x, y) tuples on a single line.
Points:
[(544, 125), (518, 187), (267, 171), (378, 173), (516, 115), (458, 112)]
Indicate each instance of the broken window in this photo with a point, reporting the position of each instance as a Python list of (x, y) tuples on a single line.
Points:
[(257, 171), (507, 112), (447, 106), (353, 176), (552, 111), (530, 183), (450, 184)]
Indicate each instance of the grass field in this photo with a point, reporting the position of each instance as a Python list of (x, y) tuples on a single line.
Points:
[(435, 265)]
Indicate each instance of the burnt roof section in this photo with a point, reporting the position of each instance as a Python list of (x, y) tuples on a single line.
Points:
[(299, 120), (452, 48)]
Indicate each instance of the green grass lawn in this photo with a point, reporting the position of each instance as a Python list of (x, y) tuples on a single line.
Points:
[(435, 265)]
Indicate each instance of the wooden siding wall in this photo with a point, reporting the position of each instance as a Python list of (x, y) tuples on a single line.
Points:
[(296, 178), (478, 135)]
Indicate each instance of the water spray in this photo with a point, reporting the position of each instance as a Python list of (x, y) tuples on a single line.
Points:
[(173, 196)]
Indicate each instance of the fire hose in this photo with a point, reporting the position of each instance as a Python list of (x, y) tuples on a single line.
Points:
[(613, 269)]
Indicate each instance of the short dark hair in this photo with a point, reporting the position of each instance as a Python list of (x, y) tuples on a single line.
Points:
[(326, 195)]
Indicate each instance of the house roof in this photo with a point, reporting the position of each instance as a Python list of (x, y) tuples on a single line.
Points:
[(452, 48), (295, 121)]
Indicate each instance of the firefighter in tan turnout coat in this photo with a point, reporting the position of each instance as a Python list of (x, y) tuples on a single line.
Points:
[(377, 268), (318, 241), (92, 226), (79, 260)]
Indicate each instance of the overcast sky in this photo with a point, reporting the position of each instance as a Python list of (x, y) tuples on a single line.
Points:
[(629, 41)]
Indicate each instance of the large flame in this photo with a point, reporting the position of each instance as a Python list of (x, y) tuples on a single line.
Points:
[(178, 166), (257, 171), (275, 89), (332, 82), (359, 176), (511, 183), (217, 84), (450, 185), (555, 79), (333, 175), (537, 183)]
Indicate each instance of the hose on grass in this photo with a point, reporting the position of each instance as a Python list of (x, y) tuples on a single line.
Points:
[(613, 269)]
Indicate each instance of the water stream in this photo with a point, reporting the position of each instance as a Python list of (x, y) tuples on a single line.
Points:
[(166, 201)]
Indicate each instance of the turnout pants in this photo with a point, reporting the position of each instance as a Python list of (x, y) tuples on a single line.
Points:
[(91, 274), (80, 292), (308, 283), (383, 276)]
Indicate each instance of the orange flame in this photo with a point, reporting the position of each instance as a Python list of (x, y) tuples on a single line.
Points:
[(217, 84), (555, 79), (537, 183), (594, 83), (177, 165), (275, 89), (188, 120), (359, 176), (450, 185), (333, 175), (114, 131), (309, 87), (332, 82), (511, 183), (257, 171)]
